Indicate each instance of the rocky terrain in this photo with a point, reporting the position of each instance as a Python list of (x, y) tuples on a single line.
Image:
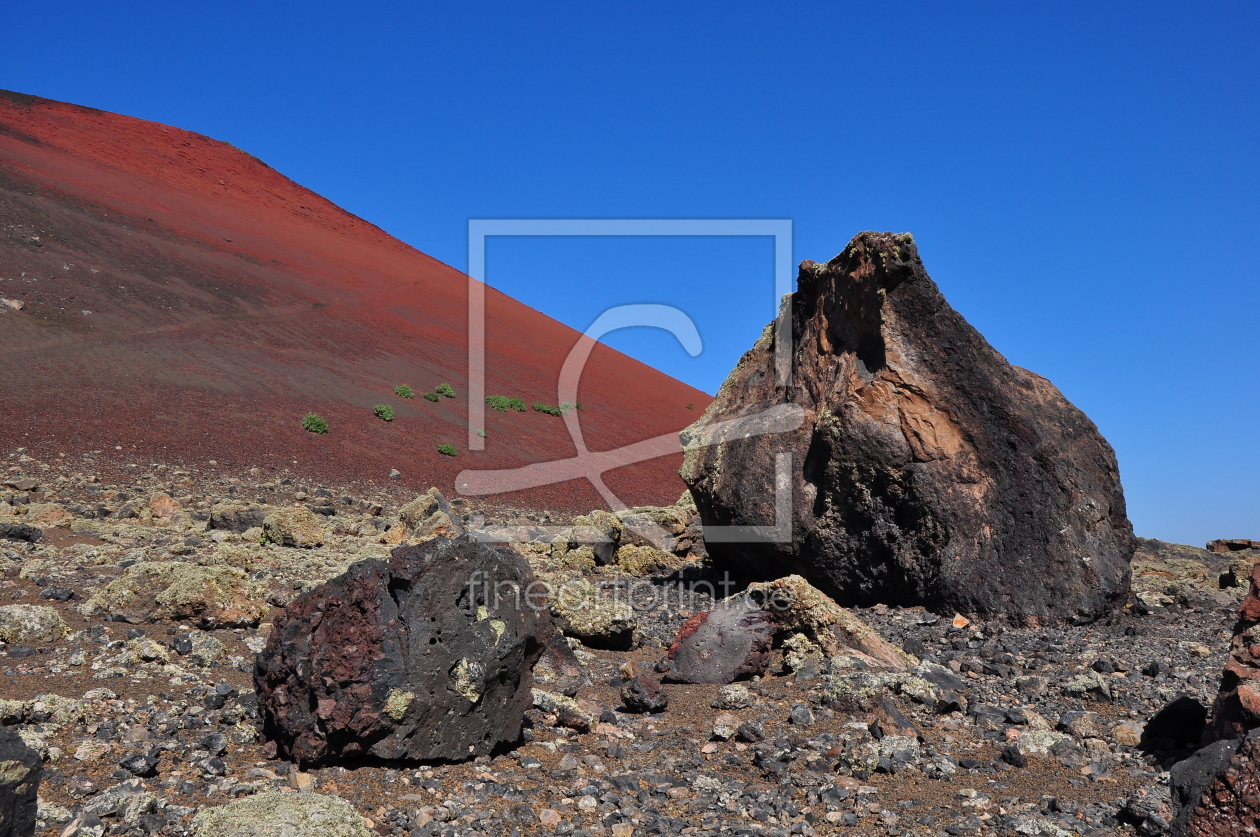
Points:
[(131, 613)]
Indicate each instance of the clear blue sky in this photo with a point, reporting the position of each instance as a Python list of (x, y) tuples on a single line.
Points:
[(1081, 178)]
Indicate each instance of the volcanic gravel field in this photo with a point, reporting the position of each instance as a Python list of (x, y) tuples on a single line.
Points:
[(144, 723)]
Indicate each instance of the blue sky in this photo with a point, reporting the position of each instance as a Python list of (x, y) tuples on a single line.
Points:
[(1081, 178)]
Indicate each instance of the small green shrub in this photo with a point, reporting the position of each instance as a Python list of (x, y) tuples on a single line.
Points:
[(481, 433), (432, 396), (314, 423), (447, 450), (384, 412), (566, 406), (689, 407), (502, 403), (404, 391), (547, 408), (444, 390)]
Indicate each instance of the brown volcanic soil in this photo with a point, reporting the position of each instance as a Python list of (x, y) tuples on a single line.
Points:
[(185, 302)]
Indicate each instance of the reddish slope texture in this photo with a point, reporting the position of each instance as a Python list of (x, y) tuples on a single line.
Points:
[(185, 302)]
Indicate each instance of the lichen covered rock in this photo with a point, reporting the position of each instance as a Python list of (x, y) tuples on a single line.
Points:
[(583, 612), (640, 560), (276, 814), (298, 527), (213, 596), (429, 516), (796, 606), (21, 623)]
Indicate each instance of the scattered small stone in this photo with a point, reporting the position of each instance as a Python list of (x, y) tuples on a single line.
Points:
[(643, 693)]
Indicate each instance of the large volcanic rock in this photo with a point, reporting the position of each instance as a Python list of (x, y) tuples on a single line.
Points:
[(426, 657), (928, 470)]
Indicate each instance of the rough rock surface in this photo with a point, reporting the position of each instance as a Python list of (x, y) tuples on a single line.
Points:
[(1232, 545), (20, 770), (721, 759), (299, 527), (1217, 790), (30, 623), (236, 517), (1237, 706), (20, 532), (718, 646), (426, 657), (558, 669), (927, 470), (796, 606), (276, 814), (211, 596), (429, 516), (643, 693)]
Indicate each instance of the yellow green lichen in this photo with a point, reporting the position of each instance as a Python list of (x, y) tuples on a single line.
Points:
[(465, 679), (397, 704), (273, 813)]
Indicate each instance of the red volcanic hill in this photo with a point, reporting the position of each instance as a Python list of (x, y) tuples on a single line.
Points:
[(183, 302)]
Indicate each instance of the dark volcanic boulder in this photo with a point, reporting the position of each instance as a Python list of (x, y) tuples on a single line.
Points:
[(731, 641), (20, 532), (20, 771), (927, 470), (236, 517), (426, 657)]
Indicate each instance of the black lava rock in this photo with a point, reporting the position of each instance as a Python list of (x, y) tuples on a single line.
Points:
[(19, 785)]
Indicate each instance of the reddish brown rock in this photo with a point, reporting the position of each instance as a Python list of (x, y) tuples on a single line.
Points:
[(721, 645), (1232, 545), (558, 668), (1237, 707), (1217, 790), (927, 469), (426, 657)]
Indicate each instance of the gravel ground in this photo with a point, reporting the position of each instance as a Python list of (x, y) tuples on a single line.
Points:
[(1000, 730)]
